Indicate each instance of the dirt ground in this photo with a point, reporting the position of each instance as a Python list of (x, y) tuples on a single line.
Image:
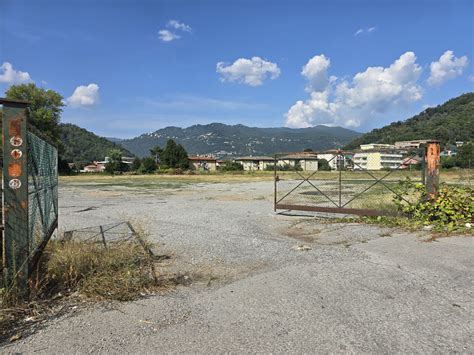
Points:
[(265, 282)]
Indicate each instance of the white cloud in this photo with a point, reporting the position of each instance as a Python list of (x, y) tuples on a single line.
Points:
[(248, 71), (446, 68), (179, 26), (84, 96), (471, 77), (366, 96), (316, 72), (362, 31), (167, 36), (11, 76)]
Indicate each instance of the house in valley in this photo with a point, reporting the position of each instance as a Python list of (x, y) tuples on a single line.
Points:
[(251, 163), (202, 163), (306, 161)]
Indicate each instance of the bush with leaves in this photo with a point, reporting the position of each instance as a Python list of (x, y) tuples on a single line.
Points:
[(148, 166), (451, 210), (231, 166)]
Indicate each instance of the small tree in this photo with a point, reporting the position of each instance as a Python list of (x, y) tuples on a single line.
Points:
[(136, 164), (323, 165), (148, 165), (465, 155), (114, 162)]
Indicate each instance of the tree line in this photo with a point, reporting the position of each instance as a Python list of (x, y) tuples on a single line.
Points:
[(173, 156)]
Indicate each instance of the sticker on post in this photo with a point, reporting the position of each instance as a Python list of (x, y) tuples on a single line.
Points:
[(16, 154), (16, 141), (14, 184)]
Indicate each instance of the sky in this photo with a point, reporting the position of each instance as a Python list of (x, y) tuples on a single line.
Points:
[(129, 67)]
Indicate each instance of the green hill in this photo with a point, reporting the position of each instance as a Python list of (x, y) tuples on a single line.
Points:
[(450, 122), (83, 147)]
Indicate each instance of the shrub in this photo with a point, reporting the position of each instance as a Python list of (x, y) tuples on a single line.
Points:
[(148, 166), (284, 167), (450, 210), (231, 166)]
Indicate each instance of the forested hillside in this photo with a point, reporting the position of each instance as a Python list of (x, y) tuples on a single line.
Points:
[(83, 147), (450, 122)]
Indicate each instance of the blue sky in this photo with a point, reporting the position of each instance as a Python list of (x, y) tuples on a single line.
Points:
[(129, 67)]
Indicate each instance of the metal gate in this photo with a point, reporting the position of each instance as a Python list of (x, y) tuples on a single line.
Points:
[(362, 184), (30, 195)]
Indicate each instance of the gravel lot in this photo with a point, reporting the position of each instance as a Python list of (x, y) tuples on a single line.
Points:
[(357, 288)]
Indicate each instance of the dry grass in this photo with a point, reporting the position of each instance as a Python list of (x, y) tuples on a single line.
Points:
[(211, 178), (120, 272), (124, 271)]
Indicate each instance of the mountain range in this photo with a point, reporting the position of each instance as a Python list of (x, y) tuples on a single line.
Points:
[(234, 140), (450, 122)]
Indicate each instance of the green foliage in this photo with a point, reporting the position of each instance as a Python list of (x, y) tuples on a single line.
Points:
[(284, 167), (465, 155), (44, 109), (447, 162), (156, 152), (115, 163), (231, 166), (449, 211), (63, 167), (323, 165), (137, 162), (450, 122), (174, 156), (82, 147), (148, 166)]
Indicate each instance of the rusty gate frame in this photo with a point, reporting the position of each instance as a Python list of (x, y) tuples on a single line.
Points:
[(428, 176)]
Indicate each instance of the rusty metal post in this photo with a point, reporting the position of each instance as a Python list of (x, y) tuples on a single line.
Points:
[(275, 182), (432, 169), (15, 194), (103, 236), (339, 167)]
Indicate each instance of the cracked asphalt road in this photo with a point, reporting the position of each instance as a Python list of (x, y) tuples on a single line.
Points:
[(358, 288)]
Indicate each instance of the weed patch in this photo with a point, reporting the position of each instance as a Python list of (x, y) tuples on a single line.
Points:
[(88, 272)]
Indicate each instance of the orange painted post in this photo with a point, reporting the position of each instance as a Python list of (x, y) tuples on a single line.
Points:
[(432, 169)]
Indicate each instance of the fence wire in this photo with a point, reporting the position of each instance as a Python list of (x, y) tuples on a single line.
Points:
[(42, 191), (367, 182)]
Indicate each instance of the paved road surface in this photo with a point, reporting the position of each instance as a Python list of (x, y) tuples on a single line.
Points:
[(360, 288)]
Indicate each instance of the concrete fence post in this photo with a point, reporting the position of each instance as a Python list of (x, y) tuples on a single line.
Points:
[(432, 159)]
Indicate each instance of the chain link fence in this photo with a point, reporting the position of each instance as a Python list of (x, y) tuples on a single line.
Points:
[(42, 193)]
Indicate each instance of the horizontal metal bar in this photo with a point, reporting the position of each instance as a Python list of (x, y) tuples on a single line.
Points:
[(355, 211)]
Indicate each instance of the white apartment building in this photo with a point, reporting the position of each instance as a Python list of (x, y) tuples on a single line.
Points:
[(372, 146), (377, 160), (334, 158)]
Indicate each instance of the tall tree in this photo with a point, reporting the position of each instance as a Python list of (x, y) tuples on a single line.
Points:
[(156, 152), (174, 155), (44, 110)]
